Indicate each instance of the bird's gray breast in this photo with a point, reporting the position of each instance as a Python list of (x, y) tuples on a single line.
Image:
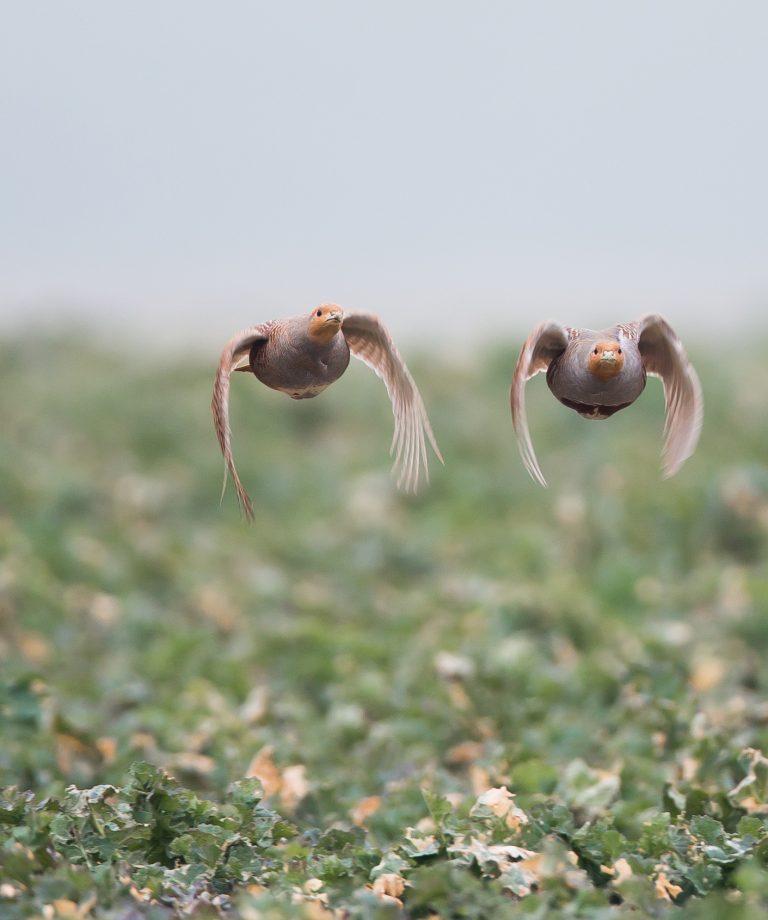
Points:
[(571, 381), (298, 366)]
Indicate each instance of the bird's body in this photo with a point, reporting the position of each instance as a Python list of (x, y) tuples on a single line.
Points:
[(600, 373), (596, 396), (294, 362), (303, 355)]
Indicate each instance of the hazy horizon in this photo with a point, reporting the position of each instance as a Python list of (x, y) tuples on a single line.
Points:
[(177, 172)]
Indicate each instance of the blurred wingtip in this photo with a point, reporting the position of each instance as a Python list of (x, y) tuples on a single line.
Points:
[(247, 510)]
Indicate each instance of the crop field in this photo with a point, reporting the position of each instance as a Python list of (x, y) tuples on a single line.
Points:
[(489, 700)]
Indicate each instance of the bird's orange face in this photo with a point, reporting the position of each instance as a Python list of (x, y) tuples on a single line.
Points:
[(606, 360), (325, 321)]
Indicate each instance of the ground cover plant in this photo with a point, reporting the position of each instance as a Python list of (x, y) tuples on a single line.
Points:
[(488, 701)]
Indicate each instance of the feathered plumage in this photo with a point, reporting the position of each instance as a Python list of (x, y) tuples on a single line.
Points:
[(304, 354), (599, 373)]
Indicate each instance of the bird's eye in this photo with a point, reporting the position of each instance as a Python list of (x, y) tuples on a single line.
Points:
[(595, 351), (319, 313), (619, 351)]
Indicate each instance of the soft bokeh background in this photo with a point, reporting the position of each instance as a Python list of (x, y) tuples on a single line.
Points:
[(171, 172), (183, 169)]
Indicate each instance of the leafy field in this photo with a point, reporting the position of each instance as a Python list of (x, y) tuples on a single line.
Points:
[(488, 701)]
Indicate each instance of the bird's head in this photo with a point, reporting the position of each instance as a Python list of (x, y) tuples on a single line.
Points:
[(606, 360), (325, 321)]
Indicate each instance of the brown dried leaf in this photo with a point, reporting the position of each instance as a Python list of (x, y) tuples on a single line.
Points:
[(464, 753), (69, 910), (500, 802), (621, 871), (107, 747), (71, 752), (263, 768), (254, 708), (707, 673), (291, 784), (364, 809), (666, 890), (479, 778), (294, 786), (389, 884)]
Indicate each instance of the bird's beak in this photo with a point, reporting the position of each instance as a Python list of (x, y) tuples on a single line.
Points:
[(608, 357), (335, 317)]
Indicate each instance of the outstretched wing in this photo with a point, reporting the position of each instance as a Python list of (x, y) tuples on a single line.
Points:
[(546, 342), (369, 341), (234, 352), (664, 356)]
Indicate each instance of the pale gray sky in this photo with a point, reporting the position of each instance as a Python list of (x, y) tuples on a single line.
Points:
[(203, 166)]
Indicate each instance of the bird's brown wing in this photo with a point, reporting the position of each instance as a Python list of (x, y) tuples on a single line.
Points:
[(236, 349), (546, 342), (664, 356), (369, 341)]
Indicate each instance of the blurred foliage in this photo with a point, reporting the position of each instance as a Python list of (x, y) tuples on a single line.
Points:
[(489, 700)]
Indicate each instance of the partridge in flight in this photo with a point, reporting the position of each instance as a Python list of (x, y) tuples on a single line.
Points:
[(301, 356), (599, 373)]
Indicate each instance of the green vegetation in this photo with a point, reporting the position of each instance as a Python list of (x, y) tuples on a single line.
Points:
[(488, 701)]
